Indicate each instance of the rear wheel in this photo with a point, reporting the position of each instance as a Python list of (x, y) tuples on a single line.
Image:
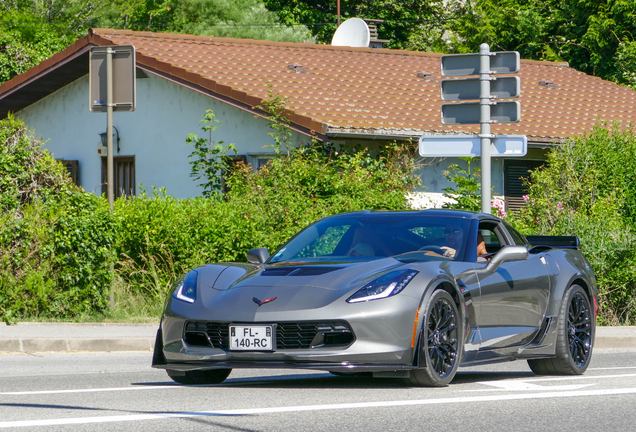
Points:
[(213, 376), (575, 337), (440, 346)]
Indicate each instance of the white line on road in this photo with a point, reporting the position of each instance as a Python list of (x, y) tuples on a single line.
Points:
[(41, 392), (270, 410)]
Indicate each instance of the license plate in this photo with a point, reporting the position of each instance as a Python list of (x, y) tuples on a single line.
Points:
[(251, 338)]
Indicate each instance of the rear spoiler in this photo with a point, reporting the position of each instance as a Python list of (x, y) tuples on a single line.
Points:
[(557, 242)]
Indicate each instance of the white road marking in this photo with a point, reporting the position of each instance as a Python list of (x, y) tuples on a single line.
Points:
[(527, 384), (42, 392), (358, 405)]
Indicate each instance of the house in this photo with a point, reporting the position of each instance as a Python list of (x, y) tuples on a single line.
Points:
[(343, 95)]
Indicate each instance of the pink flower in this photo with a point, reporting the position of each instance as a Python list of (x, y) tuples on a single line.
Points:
[(526, 198), (560, 206)]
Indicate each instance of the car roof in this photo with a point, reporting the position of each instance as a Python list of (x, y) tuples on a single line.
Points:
[(429, 212)]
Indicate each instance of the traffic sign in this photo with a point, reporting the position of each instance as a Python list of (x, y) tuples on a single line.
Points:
[(123, 76), (470, 113), (501, 62), (470, 146), (469, 88)]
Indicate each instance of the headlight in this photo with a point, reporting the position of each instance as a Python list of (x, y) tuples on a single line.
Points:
[(186, 288), (385, 286)]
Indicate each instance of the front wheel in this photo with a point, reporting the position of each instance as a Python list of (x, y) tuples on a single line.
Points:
[(440, 346), (575, 337), (212, 376)]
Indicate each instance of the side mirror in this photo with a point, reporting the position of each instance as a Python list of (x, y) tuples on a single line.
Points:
[(507, 254), (257, 256)]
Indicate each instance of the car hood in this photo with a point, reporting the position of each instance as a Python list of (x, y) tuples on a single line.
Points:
[(296, 286)]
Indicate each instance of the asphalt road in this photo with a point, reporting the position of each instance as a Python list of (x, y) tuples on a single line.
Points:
[(119, 391)]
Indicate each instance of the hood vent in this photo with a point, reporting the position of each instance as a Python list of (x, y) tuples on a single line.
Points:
[(297, 271)]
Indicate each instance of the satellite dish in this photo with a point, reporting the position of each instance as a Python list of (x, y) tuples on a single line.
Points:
[(354, 32)]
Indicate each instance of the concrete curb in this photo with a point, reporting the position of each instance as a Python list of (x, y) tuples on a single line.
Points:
[(32, 345), (100, 337)]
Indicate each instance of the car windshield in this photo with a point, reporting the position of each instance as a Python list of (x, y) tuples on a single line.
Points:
[(366, 236)]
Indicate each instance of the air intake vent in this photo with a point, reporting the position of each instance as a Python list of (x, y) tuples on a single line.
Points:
[(289, 335)]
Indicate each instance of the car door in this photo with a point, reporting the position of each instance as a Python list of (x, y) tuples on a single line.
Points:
[(513, 300)]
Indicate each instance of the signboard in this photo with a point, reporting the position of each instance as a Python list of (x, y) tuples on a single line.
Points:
[(124, 82), (470, 113), (470, 146), (466, 89), (502, 62)]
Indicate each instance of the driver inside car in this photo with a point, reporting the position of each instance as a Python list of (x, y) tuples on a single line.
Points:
[(453, 236)]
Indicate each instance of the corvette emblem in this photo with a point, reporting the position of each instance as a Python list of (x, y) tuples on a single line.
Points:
[(260, 303)]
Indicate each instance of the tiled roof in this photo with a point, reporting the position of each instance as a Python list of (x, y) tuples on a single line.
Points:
[(360, 90)]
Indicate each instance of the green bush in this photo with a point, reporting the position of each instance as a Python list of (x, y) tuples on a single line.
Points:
[(161, 237), (56, 241), (588, 189)]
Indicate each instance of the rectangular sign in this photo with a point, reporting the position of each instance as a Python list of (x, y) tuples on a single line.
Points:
[(470, 113), (501, 62), (470, 146), (124, 82), (469, 88)]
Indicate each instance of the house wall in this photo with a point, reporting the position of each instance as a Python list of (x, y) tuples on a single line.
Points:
[(154, 133)]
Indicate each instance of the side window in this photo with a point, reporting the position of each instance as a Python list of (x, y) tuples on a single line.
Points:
[(325, 244), (490, 239), (517, 237)]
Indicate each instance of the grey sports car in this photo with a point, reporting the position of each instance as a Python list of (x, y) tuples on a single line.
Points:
[(410, 295)]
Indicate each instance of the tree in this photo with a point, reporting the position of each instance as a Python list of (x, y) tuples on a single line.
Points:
[(595, 37), (406, 23)]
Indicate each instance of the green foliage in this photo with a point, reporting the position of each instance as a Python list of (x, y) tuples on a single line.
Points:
[(56, 241), (407, 24), (278, 122), (467, 190), (588, 189), (593, 37), (209, 157)]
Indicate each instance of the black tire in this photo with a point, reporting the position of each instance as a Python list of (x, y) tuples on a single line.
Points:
[(575, 337), (212, 376), (440, 347)]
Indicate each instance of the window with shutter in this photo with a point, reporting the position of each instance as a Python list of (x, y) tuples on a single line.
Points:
[(124, 176), (72, 166), (515, 172)]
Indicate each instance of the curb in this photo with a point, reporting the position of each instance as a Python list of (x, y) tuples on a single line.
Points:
[(89, 337), (31, 345)]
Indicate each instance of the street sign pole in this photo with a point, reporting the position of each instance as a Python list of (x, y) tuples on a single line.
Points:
[(484, 130), (486, 88), (109, 126)]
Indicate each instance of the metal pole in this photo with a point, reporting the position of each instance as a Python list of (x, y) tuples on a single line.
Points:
[(338, 13), (109, 126), (109, 148), (484, 120)]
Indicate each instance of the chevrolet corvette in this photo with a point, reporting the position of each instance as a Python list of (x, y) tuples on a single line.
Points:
[(410, 294)]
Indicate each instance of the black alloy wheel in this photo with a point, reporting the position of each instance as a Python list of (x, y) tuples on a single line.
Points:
[(579, 329), (440, 348)]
